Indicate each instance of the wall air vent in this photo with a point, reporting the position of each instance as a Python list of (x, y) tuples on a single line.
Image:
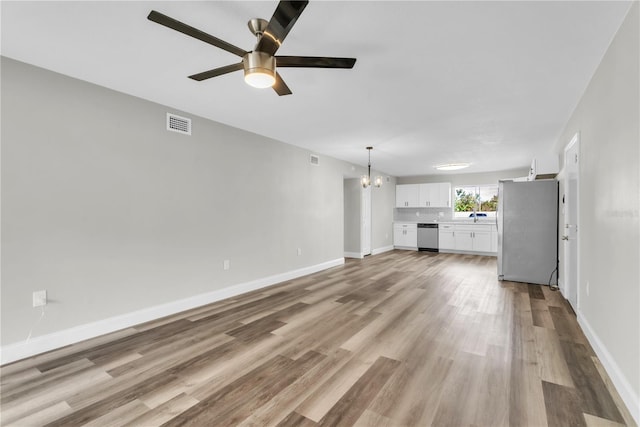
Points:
[(178, 124), (314, 160)]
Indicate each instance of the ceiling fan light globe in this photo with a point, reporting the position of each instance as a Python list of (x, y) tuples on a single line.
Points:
[(259, 79), (259, 69)]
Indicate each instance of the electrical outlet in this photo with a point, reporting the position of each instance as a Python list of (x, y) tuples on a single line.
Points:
[(39, 298), (299, 251), (226, 264)]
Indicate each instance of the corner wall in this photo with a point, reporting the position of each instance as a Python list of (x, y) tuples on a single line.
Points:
[(607, 118)]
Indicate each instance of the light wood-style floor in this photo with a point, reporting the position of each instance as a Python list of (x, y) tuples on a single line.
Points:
[(397, 339)]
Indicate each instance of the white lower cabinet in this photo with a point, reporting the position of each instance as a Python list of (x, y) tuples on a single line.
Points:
[(468, 237), (405, 236), (446, 237), (482, 241)]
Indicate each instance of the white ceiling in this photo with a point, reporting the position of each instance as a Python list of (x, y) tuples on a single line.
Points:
[(491, 83)]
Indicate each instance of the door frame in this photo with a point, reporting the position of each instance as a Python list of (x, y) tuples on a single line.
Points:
[(365, 222), (567, 274)]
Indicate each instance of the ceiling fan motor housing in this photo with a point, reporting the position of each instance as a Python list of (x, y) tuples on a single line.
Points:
[(259, 69)]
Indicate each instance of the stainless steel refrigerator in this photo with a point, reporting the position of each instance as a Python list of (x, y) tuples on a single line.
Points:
[(527, 222)]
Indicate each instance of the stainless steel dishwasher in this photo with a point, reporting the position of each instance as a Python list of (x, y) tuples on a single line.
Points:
[(428, 237)]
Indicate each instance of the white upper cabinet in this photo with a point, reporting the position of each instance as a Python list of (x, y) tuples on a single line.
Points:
[(543, 165), (435, 195), (407, 195)]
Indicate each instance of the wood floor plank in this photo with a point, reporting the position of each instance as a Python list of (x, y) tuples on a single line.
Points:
[(332, 389), (236, 402), (563, 405), (163, 413), (595, 398), (402, 338), (624, 411), (354, 402), (593, 421), (296, 420), (566, 326), (552, 366), (526, 397), (38, 418), (535, 291), (370, 418), (285, 402), (540, 313)]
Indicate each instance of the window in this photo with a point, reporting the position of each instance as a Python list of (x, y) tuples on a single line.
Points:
[(484, 198)]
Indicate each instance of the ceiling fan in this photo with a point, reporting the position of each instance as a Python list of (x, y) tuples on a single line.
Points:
[(259, 64)]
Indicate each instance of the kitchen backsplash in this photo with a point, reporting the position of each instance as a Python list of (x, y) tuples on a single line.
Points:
[(422, 214)]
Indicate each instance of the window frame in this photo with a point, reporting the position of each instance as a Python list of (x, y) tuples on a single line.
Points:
[(479, 190)]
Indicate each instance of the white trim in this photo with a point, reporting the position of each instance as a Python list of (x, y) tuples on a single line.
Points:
[(630, 398), (455, 251), (406, 248), (16, 351), (357, 255), (575, 140), (382, 250)]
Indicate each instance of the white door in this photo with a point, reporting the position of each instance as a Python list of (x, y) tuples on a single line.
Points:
[(570, 230), (365, 223)]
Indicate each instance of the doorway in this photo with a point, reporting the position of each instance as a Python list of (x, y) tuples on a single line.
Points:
[(571, 229), (357, 219)]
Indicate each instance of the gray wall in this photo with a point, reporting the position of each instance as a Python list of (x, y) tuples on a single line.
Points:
[(352, 202), (111, 213), (607, 118), (383, 200), (466, 178)]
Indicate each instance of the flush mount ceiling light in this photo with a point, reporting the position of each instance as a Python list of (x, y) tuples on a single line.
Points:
[(452, 166), (366, 179)]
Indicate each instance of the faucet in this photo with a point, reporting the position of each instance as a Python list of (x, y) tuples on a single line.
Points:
[(475, 215)]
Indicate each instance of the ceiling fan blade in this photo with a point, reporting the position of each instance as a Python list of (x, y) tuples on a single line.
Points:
[(281, 87), (314, 62), (217, 72), (194, 32), (283, 19)]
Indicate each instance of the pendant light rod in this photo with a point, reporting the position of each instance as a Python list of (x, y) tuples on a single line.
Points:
[(369, 150)]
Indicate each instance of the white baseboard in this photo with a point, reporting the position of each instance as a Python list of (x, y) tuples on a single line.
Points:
[(382, 250), (628, 395), (16, 351), (353, 255)]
